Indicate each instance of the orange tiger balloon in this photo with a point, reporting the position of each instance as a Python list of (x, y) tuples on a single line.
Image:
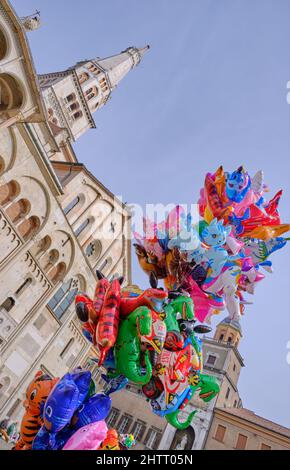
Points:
[(36, 395)]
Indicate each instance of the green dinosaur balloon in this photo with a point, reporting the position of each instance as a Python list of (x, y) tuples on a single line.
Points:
[(183, 305), (208, 388), (128, 349)]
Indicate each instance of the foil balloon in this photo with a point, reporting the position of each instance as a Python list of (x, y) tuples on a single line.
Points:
[(96, 408), (111, 442), (88, 437), (36, 395)]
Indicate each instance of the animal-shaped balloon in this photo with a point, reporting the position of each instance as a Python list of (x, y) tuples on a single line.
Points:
[(127, 441), (60, 405), (215, 235), (96, 408), (111, 442), (108, 325), (82, 379), (36, 395), (88, 437), (237, 184)]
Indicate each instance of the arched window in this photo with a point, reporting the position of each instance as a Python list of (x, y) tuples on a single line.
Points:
[(8, 192), (8, 304), (11, 94), (18, 210), (52, 258), (83, 77), (94, 69), (71, 205), (82, 227), (67, 348), (77, 115), (57, 273), (39, 249), (71, 97), (29, 227), (229, 340), (221, 337), (74, 106), (23, 286), (103, 265), (91, 93), (63, 298)]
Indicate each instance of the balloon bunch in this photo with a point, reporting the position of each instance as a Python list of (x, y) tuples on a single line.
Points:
[(72, 406), (127, 441), (218, 259), (154, 344), (67, 414)]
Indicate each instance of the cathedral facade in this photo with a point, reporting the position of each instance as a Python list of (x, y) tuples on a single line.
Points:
[(58, 223)]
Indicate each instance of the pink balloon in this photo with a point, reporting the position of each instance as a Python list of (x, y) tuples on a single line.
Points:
[(89, 437), (203, 303)]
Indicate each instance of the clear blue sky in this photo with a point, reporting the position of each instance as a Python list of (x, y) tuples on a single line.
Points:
[(211, 91)]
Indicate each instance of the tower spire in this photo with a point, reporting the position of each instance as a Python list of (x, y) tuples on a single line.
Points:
[(117, 66), (73, 95)]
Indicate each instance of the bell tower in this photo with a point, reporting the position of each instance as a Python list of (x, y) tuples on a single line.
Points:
[(73, 95), (229, 331)]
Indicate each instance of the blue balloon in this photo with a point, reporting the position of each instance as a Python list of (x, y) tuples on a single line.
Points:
[(82, 379), (41, 440), (60, 405), (115, 384), (96, 408)]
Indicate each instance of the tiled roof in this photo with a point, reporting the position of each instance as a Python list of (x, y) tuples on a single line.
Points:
[(250, 416)]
